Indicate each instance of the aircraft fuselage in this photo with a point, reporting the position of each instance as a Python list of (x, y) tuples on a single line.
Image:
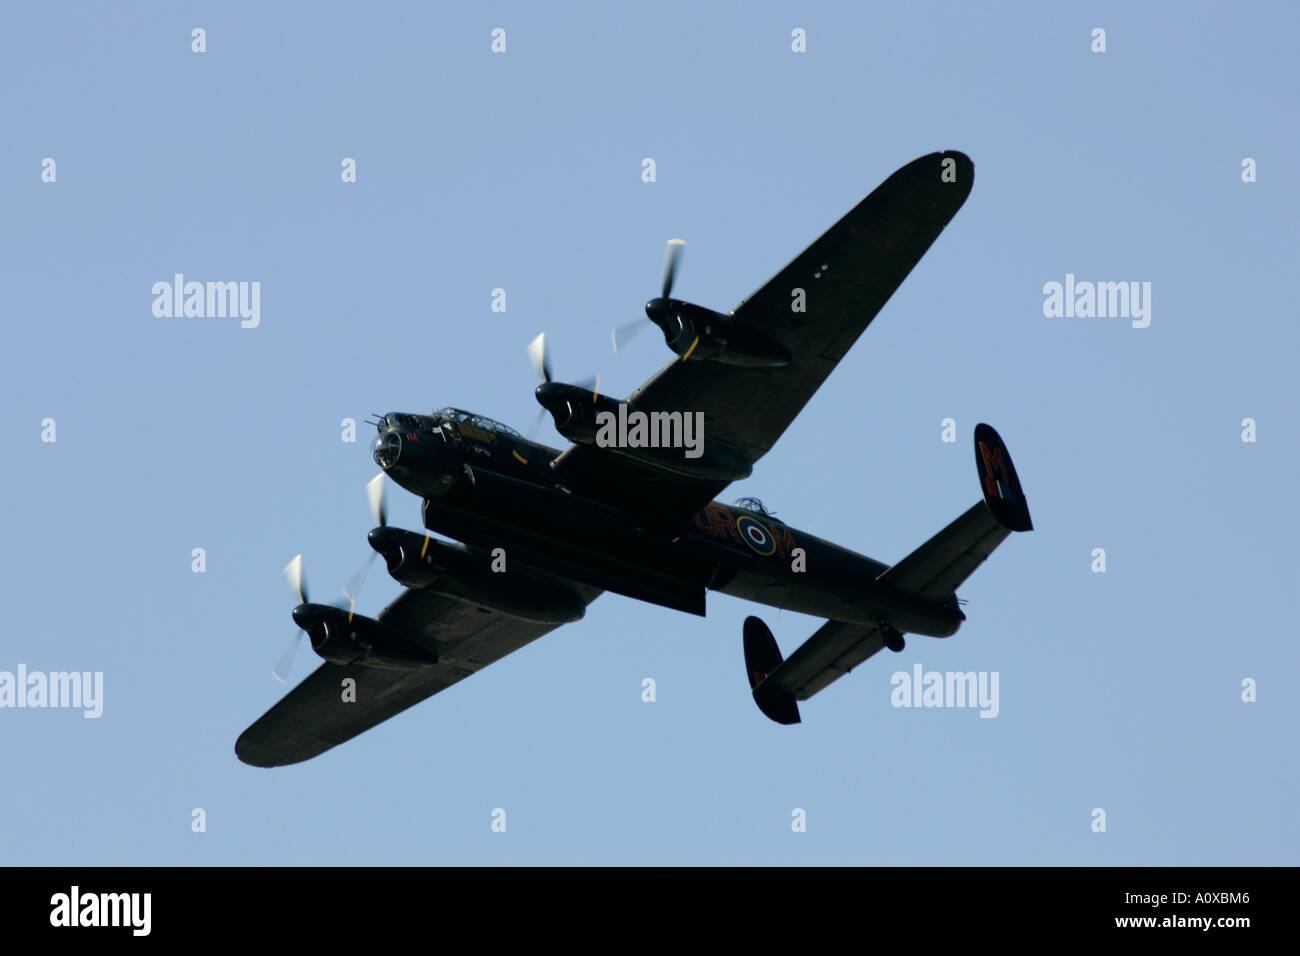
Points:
[(492, 491)]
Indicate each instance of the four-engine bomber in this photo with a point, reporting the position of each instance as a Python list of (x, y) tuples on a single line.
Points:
[(529, 535)]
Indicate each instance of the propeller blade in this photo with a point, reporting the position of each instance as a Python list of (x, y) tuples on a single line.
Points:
[(672, 257), (293, 574), (591, 384), (538, 355), (378, 504), (357, 581), (536, 425), (282, 669), (626, 333)]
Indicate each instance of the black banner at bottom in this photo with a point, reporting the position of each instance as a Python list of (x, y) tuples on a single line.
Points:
[(334, 906)]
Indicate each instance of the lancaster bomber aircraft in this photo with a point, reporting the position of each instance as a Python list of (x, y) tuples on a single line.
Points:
[(536, 534)]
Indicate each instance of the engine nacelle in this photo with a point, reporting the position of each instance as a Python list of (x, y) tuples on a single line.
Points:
[(578, 417), (342, 637), (575, 409), (699, 334), (419, 561)]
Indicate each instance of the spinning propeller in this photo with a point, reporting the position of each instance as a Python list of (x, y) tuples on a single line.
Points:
[(540, 356), (672, 259), (297, 582)]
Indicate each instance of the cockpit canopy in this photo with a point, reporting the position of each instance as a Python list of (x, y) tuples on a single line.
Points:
[(755, 505), (478, 421), (399, 420)]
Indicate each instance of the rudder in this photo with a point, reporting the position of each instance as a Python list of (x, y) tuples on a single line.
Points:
[(762, 657), (998, 479)]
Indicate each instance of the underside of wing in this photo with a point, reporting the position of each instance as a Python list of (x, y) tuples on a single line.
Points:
[(845, 278), (814, 309), (323, 711)]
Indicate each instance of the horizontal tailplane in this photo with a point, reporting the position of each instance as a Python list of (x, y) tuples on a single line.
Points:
[(936, 569)]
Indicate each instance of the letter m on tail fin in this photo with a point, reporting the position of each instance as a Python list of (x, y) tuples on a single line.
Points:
[(998, 478)]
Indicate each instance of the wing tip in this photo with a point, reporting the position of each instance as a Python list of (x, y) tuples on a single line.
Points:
[(257, 750), (942, 181)]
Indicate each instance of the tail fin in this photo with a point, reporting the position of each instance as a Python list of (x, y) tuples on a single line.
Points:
[(1002, 492), (762, 657)]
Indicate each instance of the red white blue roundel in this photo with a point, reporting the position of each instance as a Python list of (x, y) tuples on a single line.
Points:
[(758, 538)]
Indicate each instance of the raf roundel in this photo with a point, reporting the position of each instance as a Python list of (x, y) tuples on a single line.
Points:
[(758, 538)]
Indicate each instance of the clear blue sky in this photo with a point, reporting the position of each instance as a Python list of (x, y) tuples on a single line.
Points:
[(1119, 691)]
